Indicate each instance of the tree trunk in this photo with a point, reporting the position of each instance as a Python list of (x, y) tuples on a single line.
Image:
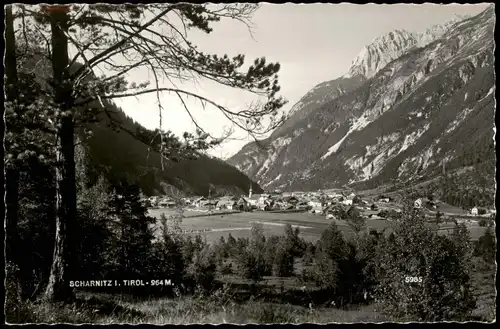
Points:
[(58, 288), (12, 171)]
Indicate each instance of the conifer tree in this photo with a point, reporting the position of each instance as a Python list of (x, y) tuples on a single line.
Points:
[(100, 33)]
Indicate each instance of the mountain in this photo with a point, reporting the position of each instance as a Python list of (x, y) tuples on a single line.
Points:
[(410, 102), (436, 31), (382, 51)]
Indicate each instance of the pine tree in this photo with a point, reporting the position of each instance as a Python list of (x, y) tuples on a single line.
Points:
[(77, 87), (331, 251), (132, 245)]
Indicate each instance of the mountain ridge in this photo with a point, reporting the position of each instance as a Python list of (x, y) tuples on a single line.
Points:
[(399, 94)]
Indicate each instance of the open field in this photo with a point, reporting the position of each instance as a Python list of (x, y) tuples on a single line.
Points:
[(311, 226)]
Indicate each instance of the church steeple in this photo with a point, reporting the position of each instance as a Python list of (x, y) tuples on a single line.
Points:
[(250, 191)]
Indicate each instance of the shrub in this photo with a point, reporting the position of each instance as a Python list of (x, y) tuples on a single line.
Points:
[(94, 234), (270, 253), (483, 222), (168, 260), (355, 221), (308, 256), (383, 213), (131, 243), (283, 264), (251, 256), (414, 250), (294, 243), (486, 246), (366, 247), (201, 271), (393, 214), (249, 266), (331, 250)]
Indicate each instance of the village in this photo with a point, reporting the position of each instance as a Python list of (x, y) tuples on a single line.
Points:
[(332, 205)]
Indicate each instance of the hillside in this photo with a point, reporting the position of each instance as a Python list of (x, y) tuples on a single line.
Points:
[(424, 99), (120, 155)]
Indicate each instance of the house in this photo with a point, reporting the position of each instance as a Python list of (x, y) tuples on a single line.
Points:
[(302, 206), (198, 200), (291, 200), (424, 203), (316, 206), (154, 201), (242, 204), (347, 202), (330, 216), (417, 204), (333, 209), (211, 203), (474, 211), (167, 203), (146, 203), (384, 200), (335, 195), (279, 205), (255, 199), (203, 202), (227, 202)]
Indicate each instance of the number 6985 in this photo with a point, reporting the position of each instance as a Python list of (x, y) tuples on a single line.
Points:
[(413, 279)]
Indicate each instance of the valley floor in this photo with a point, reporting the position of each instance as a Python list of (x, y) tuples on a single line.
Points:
[(311, 226)]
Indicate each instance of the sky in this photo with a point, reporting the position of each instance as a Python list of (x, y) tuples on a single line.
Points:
[(312, 42)]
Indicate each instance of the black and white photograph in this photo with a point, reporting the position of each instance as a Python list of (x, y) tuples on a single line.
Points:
[(249, 163)]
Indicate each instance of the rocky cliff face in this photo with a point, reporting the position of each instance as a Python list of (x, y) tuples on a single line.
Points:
[(381, 52), (408, 103)]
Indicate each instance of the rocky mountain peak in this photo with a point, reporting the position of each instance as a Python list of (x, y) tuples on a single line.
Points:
[(380, 52), (390, 46)]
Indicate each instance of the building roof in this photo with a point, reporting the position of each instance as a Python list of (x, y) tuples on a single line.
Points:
[(226, 201)]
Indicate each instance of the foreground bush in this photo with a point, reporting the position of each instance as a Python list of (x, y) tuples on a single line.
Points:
[(486, 246), (423, 276)]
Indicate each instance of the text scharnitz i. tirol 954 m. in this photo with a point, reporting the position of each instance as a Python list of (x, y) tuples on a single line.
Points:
[(120, 283)]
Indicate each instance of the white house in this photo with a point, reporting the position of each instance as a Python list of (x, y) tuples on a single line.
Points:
[(200, 202), (418, 204), (316, 206), (474, 211), (347, 202)]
